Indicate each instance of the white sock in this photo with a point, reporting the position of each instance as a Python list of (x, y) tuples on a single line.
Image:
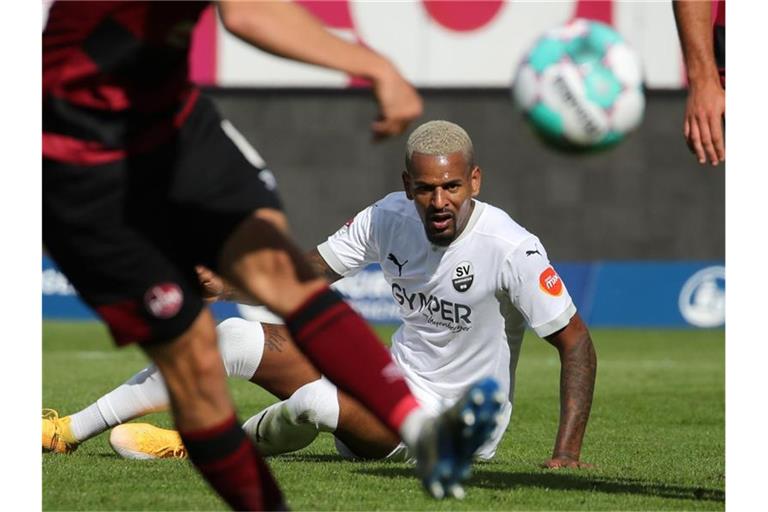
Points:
[(411, 427), (142, 394), (241, 344), (292, 424), (87, 423)]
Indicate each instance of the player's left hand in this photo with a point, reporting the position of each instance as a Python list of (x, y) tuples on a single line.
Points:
[(565, 462)]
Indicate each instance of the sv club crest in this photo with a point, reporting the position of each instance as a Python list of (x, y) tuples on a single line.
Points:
[(463, 276)]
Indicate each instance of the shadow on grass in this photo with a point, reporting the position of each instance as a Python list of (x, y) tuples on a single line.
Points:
[(293, 457), (504, 480), (569, 482), (312, 457)]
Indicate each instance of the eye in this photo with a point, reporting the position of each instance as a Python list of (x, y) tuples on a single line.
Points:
[(424, 188)]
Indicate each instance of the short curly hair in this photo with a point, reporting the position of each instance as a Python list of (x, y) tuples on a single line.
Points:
[(439, 138)]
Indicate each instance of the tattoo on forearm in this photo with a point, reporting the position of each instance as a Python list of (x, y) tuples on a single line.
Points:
[(320, 266), (274, 337), (577, 385)]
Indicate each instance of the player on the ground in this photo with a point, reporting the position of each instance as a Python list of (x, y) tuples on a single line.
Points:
[(467, 279), (142, 182), (703, 42)]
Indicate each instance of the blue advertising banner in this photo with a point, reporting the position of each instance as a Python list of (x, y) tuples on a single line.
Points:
[(647, 294), (607, 294)]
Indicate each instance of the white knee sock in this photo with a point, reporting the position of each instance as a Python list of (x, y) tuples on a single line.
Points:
[(241, 344), (142, 394), (292, 424)]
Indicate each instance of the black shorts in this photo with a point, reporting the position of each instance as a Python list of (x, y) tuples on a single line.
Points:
[(128, 234)]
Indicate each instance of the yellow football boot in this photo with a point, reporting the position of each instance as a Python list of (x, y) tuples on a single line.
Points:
[(145, 441), (57, 436)]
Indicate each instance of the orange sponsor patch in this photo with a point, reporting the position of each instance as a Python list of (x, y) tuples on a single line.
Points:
[(550, 283)]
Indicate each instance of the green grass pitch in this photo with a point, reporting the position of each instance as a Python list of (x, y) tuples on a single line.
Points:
[(657, 436)]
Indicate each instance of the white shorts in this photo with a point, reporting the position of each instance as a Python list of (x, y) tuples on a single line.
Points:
[(434, 406)]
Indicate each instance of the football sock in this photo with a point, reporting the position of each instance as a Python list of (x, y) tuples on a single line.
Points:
[(343, 347), (86, 424), (142, 394), (294, 423), (241, 344), (229, 462)]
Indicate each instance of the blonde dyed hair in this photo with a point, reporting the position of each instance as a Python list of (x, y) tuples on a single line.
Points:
[(439, 138)]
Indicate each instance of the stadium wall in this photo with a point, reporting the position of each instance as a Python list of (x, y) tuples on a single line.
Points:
[(646, 199)]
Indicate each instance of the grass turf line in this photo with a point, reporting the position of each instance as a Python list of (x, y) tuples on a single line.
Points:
[(657, 435)]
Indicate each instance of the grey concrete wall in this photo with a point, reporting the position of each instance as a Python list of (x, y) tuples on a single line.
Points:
[(645, 199)]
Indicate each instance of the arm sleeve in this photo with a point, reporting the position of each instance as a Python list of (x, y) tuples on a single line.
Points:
[(353, 246), (535, 288)]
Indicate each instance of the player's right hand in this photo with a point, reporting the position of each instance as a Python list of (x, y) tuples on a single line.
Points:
[(212, 286), (399, 104), (703, 127)]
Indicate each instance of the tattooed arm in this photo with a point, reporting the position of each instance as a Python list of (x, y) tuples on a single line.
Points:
[(578, 364), (320, 266)]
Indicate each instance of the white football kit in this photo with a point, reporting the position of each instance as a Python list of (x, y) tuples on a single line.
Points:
[(464, 307)]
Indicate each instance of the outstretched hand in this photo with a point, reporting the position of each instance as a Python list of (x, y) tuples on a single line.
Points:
[(565, 462), (703, 128)]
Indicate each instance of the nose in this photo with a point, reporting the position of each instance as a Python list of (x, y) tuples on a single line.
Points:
[(438, 198)]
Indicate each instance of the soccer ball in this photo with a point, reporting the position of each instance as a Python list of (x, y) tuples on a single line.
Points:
[(580, 86)]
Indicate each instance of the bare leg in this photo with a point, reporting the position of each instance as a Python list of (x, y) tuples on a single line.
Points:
[(362, 432), (259, 259), (283, 368), (195, 377)]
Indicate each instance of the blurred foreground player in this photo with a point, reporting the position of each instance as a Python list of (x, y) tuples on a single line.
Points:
[(141, 182), (703, 41), (467, 279)]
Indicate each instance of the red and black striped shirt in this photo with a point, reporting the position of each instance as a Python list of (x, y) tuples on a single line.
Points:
[(115, 77)]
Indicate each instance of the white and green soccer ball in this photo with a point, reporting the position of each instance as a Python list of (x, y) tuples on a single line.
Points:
[(581, 86)]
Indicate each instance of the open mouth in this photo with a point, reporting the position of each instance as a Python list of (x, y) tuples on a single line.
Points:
[(440, 221)]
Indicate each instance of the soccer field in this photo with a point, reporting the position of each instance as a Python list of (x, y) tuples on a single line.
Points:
[(656, 434)]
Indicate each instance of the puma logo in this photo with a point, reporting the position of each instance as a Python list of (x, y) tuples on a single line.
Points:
[(259, 437), (391, 257), (528, 253)]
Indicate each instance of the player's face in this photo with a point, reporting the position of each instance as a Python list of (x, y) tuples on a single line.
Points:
[(442, 188)]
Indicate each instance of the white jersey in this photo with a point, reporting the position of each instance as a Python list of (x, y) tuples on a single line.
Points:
[(465, 306)]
